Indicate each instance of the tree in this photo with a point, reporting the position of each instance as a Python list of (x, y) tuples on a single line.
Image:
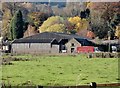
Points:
[(53, 24), (115, 21), (7, 15), (37, 18), (114, 25), (79, 24), (69, 27), (16, 26), (101, 15), (87, 12), (31, 30), (56, 28), (9, 9), (109, 10), (117, 33), (101, 31), (90, 34), (83, 14)]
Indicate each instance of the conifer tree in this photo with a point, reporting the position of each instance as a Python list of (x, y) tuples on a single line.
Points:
[(16, 26)]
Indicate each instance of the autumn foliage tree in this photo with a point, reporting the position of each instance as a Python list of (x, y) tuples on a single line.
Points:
[(115, 21), (53, 24), (7, 15), (117, 31), (79, 24), (90, 34), (37, 18), (114, 25), (31, 30), (101, 15)]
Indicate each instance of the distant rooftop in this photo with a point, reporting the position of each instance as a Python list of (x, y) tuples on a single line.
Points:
[(111, 41)]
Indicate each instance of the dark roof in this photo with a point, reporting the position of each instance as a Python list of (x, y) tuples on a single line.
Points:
[(85, 42), (35, 41), (51, 35), (5, 43), (47, 37), (63, 41)]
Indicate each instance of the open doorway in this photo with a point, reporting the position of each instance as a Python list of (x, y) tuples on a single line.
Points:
[(72, 50)]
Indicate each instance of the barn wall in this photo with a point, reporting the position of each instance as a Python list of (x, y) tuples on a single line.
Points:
[(34, 48), (55, 49), (69, 45)]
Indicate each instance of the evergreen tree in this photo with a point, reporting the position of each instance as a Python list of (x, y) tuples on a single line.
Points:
[(16, 26), (115, 21)]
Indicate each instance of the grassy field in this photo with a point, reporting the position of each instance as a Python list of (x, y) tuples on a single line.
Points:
[(60, 70)]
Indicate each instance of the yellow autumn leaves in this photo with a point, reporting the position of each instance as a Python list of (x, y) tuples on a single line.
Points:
[(58, 24), (117, 33), (53, 24), (80, 24)]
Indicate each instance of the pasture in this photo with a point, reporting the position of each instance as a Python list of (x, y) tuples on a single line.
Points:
[(60, 70)]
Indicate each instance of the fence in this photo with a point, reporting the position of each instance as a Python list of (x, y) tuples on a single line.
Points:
[(103, 55), (91, 85)]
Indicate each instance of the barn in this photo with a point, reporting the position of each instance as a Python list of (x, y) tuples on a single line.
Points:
[(49, 43), (35, 46), (74, 45)]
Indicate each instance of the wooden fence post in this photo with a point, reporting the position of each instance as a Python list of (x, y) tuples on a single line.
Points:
[(39, 86), (93, 85)]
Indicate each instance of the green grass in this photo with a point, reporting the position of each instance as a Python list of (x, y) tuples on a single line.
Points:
[(60, 70)]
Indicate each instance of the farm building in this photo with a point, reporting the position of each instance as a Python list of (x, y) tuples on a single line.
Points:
[(49, 43), (73, 44), (5, 45), (114, 45)]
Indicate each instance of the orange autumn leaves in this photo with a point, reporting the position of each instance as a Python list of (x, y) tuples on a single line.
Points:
[(90, 34)]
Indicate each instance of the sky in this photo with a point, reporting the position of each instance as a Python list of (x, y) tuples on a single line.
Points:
[(59, 0)]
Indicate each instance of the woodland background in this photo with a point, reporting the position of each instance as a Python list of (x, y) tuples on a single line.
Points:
[(87, 19)]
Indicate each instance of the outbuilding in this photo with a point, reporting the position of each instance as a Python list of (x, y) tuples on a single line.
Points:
[(79, 45), (35, 46), (49, 43)]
